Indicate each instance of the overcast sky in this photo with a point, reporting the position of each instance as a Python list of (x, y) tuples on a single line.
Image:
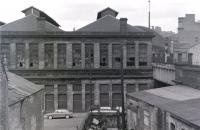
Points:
[(77, 13)]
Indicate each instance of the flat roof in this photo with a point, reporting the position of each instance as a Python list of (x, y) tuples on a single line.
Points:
[(181, 101)]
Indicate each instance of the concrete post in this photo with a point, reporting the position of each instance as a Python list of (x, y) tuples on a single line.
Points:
[(83, 55), (41, 55), (69, 97), (55, 96), (137, 54), (55, 55), (96, 55), (69, 55), (124, 55), (12, 55), (27, 55), (110, 55)]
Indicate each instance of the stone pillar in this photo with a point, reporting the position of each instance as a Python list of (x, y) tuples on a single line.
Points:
[(12, 55), (96, 94), (125, 92), (190, 58), (124, 55), (69, 97), (83, 55), (149, 53), (136, 87), (110, 55), (83, 96), (179, 58), (55, 96), (69, 55), (27, 55), (110, 94), (137, 54), (96, 55), (41, 55), (55, 55)]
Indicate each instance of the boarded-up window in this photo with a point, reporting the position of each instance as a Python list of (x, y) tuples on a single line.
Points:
[(116, 100), (143, 86), (49, 55), (76, 54), (77, 103), (104, 94), (77, 88), (104, 55), (20, 55), (62, 101), (61, 55), (130, 88), (33, 55), (116, 55), (5, 53), (142, 54), (89, 55), (49, 89), (130, 54), (49, 103), (116, 88)]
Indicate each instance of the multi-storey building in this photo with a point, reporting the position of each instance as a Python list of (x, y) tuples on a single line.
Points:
[(79, 68)]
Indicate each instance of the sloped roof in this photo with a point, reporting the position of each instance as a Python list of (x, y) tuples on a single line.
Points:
[(108, 23), (20, 88), (187, 110), (184, 45), (28, 23), (43, 14)]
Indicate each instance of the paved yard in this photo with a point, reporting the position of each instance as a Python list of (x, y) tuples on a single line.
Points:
[(65, 124)]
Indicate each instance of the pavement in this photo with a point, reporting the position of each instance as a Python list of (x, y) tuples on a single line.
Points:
[(65, 124)]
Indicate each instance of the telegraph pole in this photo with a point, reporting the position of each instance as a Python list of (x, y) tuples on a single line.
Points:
[(90, 76), (122, 88), (149, 14)]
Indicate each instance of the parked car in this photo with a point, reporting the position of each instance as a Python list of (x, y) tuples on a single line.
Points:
[(60, 113)]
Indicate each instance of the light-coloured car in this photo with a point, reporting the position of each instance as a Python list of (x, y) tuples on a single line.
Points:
[(60, 113)]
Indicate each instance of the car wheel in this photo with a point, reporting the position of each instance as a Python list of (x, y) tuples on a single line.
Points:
[(67, 116), (50, 117)]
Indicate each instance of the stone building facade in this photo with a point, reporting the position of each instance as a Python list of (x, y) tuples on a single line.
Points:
[(79, 68)]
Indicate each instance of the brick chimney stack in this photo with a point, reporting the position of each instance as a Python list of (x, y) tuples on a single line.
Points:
[(123, 25)]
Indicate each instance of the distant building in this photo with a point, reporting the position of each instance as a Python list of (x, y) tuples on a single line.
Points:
[(168, 108), (79, 68), (188, 29)]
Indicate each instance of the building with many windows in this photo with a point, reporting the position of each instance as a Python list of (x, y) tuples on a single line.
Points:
[(79, 68)]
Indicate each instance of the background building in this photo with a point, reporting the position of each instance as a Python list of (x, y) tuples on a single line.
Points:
[(82, 67)]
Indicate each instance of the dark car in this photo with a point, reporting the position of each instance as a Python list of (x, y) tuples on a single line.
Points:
[(60, 113)]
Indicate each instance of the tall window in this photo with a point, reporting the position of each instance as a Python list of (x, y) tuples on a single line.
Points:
[(5, 53), (89, 55), (49, 98), (104, 55), (116, 95), (62, 96), (142, 54), (20, 55), (130, 55), (116, 54), (104, 94), (61, 55), (33, 55), (89, 96), (76, 54), (49, 55), (130, 88)]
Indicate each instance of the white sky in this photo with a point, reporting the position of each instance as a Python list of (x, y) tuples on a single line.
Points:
[(78, 13)]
